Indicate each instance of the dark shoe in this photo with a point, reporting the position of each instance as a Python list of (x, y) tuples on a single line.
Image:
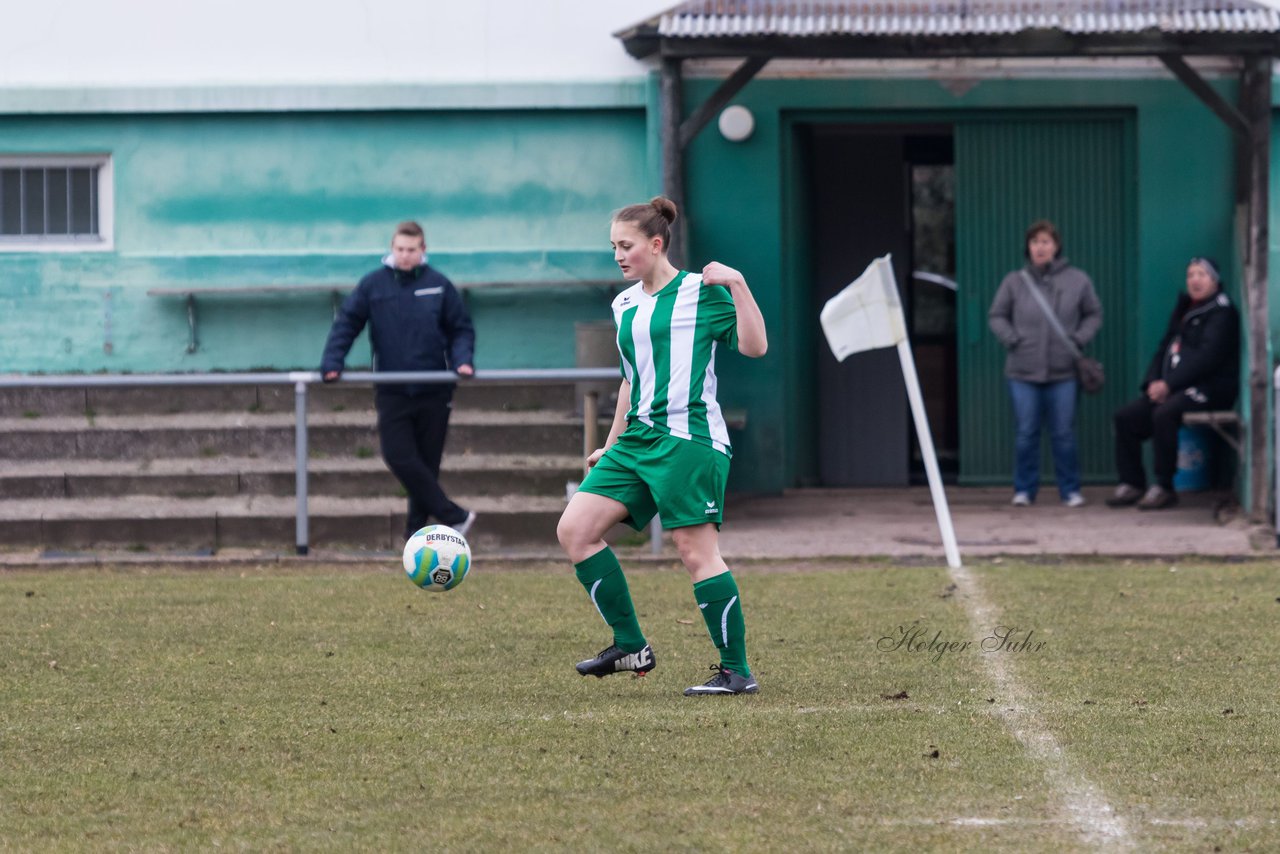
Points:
[(614, 660), (725, 681), (1158, 498), (1125, 496)]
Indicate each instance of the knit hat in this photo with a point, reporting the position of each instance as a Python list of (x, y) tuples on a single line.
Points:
[(1210, 266)]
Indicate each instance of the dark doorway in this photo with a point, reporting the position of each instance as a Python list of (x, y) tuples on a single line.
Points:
[(875, 190), (931, 296)]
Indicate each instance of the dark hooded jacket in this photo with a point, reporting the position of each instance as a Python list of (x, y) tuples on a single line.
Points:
[(1200, 351)]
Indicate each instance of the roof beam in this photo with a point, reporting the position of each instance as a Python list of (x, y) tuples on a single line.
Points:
[(720, 98), (1028, 43), (1221, 107)]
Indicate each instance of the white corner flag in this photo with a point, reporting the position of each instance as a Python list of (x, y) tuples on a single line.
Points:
[(867, 315)]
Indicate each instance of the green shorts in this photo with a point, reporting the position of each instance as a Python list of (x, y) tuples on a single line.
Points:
[(649, 472)]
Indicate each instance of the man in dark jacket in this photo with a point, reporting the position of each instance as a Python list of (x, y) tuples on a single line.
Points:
[(417, 322), (1195, 368)]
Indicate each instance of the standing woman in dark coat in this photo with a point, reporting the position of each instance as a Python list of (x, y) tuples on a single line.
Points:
[(1195, 368)]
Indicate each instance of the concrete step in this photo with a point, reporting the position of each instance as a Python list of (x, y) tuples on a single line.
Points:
[(212, 467), (268, 434), (50, 402), (472, 474), (145, 522)]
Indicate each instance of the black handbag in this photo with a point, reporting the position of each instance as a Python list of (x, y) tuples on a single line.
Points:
[(1089, 371), (1090, 374)]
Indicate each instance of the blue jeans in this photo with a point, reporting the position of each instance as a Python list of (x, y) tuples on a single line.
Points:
[(1052, 405)]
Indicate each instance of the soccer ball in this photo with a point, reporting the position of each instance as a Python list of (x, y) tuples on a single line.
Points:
[(437, 558)]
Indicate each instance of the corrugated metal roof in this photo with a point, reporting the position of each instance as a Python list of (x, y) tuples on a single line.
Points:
[(747, 18)]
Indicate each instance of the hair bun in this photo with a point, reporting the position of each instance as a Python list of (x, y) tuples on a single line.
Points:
[(665, 207)]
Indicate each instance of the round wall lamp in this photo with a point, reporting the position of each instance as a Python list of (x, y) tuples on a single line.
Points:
[(736, 123)]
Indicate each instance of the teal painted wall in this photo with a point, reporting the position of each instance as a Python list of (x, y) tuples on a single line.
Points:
[(524, 193), (743, 209), (1076, 171), (299, 198)]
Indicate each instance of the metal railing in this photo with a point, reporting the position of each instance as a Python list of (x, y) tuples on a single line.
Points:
[(301, 380)]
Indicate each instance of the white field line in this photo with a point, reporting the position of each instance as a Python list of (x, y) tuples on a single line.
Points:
[(1084, 806), (1215, 824)]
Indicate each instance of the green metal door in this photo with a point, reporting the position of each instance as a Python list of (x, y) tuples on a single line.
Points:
[(1010, 171)]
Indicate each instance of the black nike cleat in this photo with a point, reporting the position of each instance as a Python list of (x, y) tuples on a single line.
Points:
[(725, 681), (614, 660)]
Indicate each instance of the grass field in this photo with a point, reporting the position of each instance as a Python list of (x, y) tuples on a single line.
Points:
[(332, 708)]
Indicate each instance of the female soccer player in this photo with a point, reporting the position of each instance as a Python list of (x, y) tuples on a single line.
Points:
[(668, 449)]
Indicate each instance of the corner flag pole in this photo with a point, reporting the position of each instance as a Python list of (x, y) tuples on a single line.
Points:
[(867, 315), (940, 506)]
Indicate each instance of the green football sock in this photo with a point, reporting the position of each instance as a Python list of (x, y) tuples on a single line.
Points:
[(602, 576), (722, 609)]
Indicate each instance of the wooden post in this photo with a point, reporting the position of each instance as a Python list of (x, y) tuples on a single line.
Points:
[(1255, 103), (590, 427), (672, 155)]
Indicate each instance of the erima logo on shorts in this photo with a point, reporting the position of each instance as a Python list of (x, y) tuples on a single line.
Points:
[(711, 508)]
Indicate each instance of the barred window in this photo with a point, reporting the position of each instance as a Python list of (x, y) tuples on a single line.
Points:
[(53, 201)]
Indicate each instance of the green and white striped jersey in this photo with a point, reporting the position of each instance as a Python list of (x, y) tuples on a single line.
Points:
[(668, 346)]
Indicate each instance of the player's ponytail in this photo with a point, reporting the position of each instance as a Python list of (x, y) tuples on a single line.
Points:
[(654, 219)]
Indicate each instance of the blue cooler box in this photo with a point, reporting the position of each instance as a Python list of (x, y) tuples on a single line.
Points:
[(1195, 459)]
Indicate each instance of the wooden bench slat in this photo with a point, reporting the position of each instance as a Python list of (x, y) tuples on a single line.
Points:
[(1224, 416), (1224, 422)]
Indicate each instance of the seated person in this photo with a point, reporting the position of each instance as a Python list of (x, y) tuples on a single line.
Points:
[(1195, 368)]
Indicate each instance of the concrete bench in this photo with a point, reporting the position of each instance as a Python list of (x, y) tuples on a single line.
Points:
[(336, 292)]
